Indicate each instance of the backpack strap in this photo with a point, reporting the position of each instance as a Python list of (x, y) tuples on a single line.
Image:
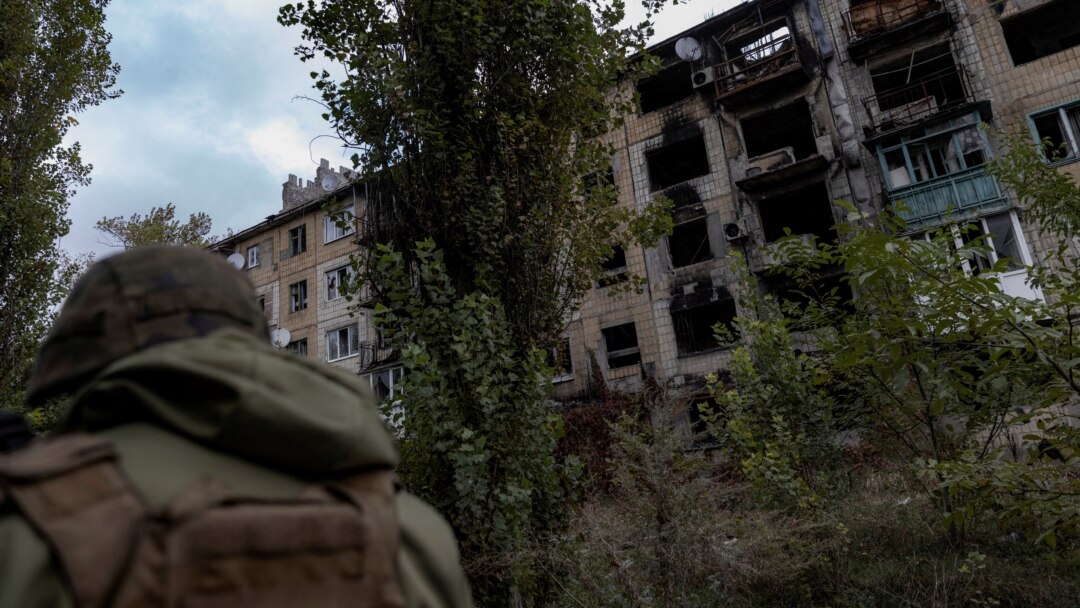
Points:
[(374, 493), (71, 490)]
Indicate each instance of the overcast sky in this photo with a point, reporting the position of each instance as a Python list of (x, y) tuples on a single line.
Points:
[(209, 118)]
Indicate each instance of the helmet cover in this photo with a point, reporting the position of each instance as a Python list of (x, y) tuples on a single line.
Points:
[(136, 300)]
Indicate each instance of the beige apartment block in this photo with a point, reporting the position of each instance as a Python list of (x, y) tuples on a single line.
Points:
[(298, 258)]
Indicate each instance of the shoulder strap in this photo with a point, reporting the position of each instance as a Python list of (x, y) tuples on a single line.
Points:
[(374, 493), (70, 489)]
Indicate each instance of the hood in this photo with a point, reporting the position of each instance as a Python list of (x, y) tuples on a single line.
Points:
[(233, 392)]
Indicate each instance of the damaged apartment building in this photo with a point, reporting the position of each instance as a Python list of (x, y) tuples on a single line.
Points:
[(298, 259), (762, 117)]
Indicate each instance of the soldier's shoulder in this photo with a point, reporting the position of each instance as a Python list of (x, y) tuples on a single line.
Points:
[(430, 567)]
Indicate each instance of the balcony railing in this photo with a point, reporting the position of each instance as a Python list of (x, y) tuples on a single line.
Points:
[(777, 56), (869, 19), (372, 354), (918, 101), (955, 195)]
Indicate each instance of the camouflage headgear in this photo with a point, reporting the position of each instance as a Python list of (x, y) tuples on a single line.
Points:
[(136, 300)]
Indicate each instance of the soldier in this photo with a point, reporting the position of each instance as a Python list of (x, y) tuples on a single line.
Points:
[(199, 466)]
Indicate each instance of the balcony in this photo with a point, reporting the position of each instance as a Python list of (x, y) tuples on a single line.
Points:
[(759, 66), (373, 354), (957, 195), (941, 91), (879, 25)]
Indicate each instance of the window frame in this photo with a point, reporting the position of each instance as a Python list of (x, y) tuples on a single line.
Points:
[(298, 347), (610, 355), (298, 300), (330, 226), (1071, 136), (352, 333), (298, 239), (253, 256), (907, 146), (335, 274)]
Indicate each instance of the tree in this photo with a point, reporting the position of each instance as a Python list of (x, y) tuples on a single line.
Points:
[(54, 62), (481, 133), (158, 227)]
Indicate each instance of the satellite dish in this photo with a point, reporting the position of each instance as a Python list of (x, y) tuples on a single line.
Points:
[(329, 181), (237, 260), (688, 49), (280, 337)]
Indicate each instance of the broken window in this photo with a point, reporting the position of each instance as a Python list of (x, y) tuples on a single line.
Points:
[(1042, 31), (689, 243), (760, 43), (621, 345), (341, 343), (1059, 132), (253, 256), (337, 282), (298, 240), (559, 361), (806, 210), (614, 267), (669, 86), (1002, 241), (677, 162), (298, 347), (694, 328), (789, 126), (831, 290), (387, 383), (917, 86), (298, 296), (950, 148)]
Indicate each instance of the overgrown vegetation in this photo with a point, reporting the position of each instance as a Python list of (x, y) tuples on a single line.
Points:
[(915, 446), (480, 135), (54, 63)]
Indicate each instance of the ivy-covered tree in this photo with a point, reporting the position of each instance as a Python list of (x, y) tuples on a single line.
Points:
[(158, 227), (54, 63), (481, 131)]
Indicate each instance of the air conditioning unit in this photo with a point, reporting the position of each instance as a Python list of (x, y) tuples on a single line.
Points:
[(770, 161), (703, 76), (735, 231)]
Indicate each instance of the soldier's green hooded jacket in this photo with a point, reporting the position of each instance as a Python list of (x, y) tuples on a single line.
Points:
[(262, 410), (222, 402)]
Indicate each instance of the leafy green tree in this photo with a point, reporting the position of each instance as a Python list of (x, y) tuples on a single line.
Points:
[(482, 131), (158, 227), (54, 63)]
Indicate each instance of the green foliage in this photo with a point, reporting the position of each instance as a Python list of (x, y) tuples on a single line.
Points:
[(53, 63), (775, 413), (477, 436), (158, 227), (481, 129)]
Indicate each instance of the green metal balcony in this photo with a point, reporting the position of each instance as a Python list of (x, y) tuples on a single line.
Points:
[(957, 195)]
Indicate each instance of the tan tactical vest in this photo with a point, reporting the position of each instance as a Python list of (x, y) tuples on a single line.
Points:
[(334, 545)]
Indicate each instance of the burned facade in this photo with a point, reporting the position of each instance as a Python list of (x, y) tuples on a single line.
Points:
[(762, 117)]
